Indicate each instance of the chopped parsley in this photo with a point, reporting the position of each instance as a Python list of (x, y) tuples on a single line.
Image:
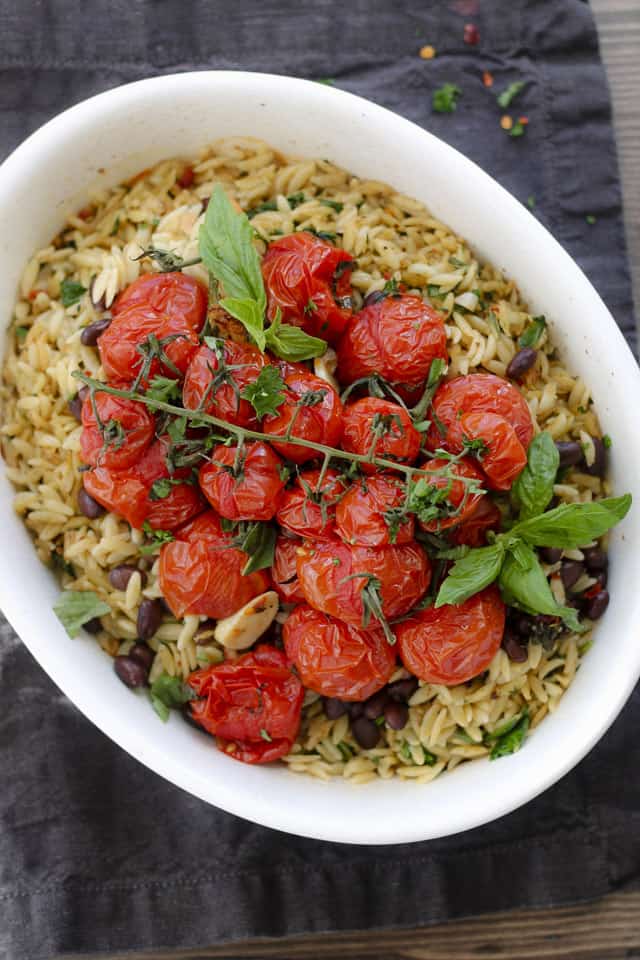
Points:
[(71, 292), (444, 99)]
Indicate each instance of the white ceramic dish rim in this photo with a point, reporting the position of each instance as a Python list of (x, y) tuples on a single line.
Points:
[(372, 142)]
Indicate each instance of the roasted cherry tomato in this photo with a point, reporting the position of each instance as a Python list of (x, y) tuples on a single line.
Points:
[(476, 393), (253, 703), (146, 490), (382, 427), (127, 431), (245, 484), (371, 514), (308, 280), (336, 659), (171, 307), (397, 337), (316, 412), (200, 572), (215, 380), (284, 571), (309, 509), (453, 644), (473, 531), (500, 453), (333, 576), (459, 502)]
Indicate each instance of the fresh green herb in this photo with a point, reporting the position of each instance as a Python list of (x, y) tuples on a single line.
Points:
[(507, 96), (71, 292), (160, 489), (334, 204), (157, 538), (345, 750), (531, 201), (455, 262), (532, 334), (163, 388), (533, 489), (327, 81), (295, 199), (444, 99), (524, 585), (168, 693), (21, 332), (505, 727), (265, 394), (311, 306), (74, 608), (265, 736), (430, 759), (572, 525), (321, 234), (372, 603), (258, 541), (433, 290), (115, 227), (391, 288), (262, 208), (471, 573), (167, 260), (591, 219), (59, 561), (475, 446), (518, 129), (511, 741), (292, 343), (607, 441)]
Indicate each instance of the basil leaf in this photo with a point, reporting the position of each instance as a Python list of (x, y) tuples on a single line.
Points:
[(160, 489), (531, 336), (265, 394), (533, 489), (250, 315), (573, 524), (168, 693), (71, 292), (292, 343), (523, 584), (74, 608), (259, 544), (471, 573), (512, 740)]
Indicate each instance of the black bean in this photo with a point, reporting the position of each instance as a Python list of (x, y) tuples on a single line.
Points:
[(205, 633), (570, 453), (91, 334), (88, 506), (597, 605), (93, 626), (396, 715), (570, 572), (595, 559), (356, 710), (143, 654), (150, 615), (523, 361), (513, 648), (550, 554), (374, 706), (523, 625), (334, 708), (130, 671), (75, 404), (403, 690), (598, 466), (365, 732), (119, 576), (373, 297)]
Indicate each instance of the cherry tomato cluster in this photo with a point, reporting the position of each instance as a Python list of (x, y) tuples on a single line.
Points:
[(348, 550)]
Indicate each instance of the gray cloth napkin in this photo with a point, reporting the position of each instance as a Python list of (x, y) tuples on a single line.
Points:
[(98, 854)]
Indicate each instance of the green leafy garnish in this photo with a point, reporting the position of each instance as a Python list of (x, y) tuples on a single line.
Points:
[(168, 693), (531, 201), (292, 343), (74, 608), (160, 489), (471, 573), (607, 441), (533, 489), (572, 525), (512, 738), (531, 336), (164, 389), (518, 129), (115, 227), (327, 81), (523, 584), (507, 96), (444, 99), (71, 292), (21, 332), (265, 394), (258, 541), (265, 735), (157, 538), (334, 204), (591, 219)]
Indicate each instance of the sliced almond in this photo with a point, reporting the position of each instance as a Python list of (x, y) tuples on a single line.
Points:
[(242, 629), (325, 368)]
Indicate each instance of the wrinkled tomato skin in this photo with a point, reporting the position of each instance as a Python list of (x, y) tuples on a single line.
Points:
[(400, 443), (200, 573), (255, 494), (504, 457), (453, 644), (360, 515), (284, 571), (127, 492), (463, 468), (320, 423), (163, 304), (136, 422), (476, 393), (336, 659), (473, 532), (325, 572), (225, 401), (397, 337), (253, 703), (299, 270), (301, 515)]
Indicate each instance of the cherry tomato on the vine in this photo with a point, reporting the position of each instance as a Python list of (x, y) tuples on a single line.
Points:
[(381, 428), (127, 430), (473, 531), (314, 409), (253, 703), (500, 453), (215, 380), (334, 576), (284, 571), (460, 501), (308, 508), (453, 644), (200, 572), (245, 484), (397, 337), (371, 514), (308, 280), (336, 659)]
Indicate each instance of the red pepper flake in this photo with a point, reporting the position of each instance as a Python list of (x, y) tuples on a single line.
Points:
[(186, 178), (34, 293), (592, 591), (487, 78), (86, 213), (471, 34), (523, 120)]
